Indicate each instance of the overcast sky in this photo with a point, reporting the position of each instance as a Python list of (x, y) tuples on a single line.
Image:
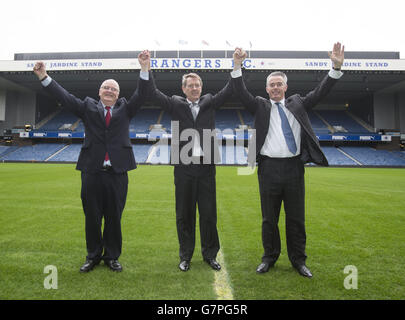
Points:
[(118, 25)]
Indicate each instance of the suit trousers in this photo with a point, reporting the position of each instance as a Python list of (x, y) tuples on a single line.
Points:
[(281, 180), (103, 196), (195, 186)]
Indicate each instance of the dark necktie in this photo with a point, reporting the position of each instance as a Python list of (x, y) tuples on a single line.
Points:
[(107, 123), (285, 126)]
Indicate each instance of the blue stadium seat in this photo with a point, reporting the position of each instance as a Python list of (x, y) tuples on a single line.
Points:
[(37, 152), (63, 117), (69, 154), (317, 124), (337, 158), (341, 118), (141, 152), (4, 150), (374, 157), (226, 119), (144, 119)]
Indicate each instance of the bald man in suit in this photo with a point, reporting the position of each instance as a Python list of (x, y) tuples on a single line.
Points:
[(105, 158)]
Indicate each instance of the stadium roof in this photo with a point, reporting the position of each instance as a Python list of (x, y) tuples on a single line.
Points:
[(202, 54), (82, 72)]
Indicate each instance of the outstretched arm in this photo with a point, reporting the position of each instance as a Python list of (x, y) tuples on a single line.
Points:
[(141, 93), (69, 101), (238, 85), (324, 87)]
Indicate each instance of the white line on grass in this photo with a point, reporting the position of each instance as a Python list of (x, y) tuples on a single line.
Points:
[(222, 284)]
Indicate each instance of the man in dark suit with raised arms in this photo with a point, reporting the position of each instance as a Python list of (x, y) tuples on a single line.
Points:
[(194, 165), (105, 158), (285, 141)]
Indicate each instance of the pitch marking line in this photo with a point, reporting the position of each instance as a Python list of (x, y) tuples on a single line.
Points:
[(222, 284)]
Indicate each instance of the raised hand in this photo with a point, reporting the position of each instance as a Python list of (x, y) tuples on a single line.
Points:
[(40, 70), (337, 55), (238, 56), (144, 60)]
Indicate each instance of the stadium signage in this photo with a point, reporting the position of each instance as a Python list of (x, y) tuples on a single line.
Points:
[(224, 135), (206, 64)]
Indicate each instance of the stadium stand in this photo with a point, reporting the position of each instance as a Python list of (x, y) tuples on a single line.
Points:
[(319, 126), (159, 154), (226, 119), (165, 121), (69, 153), (336, 157), (141, 152), (57, 122), (37, 152), (247, 118), (4, 150), (339, 118), (144, 119), (324, 122), (374, 157)]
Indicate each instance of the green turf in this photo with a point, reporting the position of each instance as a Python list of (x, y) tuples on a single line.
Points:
[(354, 217)]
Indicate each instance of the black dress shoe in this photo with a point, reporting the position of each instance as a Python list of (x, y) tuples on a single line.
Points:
[(114, 265), (213, 263), (304, 271), (184, 265), (89, 265), (263, 267)]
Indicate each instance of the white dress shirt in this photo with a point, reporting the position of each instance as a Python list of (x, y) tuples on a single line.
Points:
[(197, 151), (275, 145)]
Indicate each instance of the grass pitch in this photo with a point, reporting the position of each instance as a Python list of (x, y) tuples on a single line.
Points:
[(354, 217)]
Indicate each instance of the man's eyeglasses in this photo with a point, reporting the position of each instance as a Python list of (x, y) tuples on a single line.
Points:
[(110, 88)]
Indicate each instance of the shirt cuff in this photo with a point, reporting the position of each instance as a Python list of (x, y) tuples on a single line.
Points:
[(335, 74), (236, 73), (144, 75), (46, 81)]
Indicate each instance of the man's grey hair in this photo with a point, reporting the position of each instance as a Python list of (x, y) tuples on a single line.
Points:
[(276, 74), (190, 75)]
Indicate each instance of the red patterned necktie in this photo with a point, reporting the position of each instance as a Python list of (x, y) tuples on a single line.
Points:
[(107, 123)]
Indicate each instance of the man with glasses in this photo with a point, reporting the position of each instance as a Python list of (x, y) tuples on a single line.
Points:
[(194, 159), (285, 141), (105, 158)]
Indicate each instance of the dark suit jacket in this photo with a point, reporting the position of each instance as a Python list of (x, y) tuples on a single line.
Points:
[(298, 106), (180, 111), (98, 138)]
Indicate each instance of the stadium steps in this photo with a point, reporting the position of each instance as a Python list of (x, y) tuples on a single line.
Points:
[(160, 117), (75, 125), (330, 128), (361, 122), (240, 117), (47, 119), (57, 152), (5, 150), (349, 156)]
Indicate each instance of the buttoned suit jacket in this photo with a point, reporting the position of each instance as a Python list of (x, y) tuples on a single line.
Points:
[(99, 138), (298, 106), (179, 109)]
